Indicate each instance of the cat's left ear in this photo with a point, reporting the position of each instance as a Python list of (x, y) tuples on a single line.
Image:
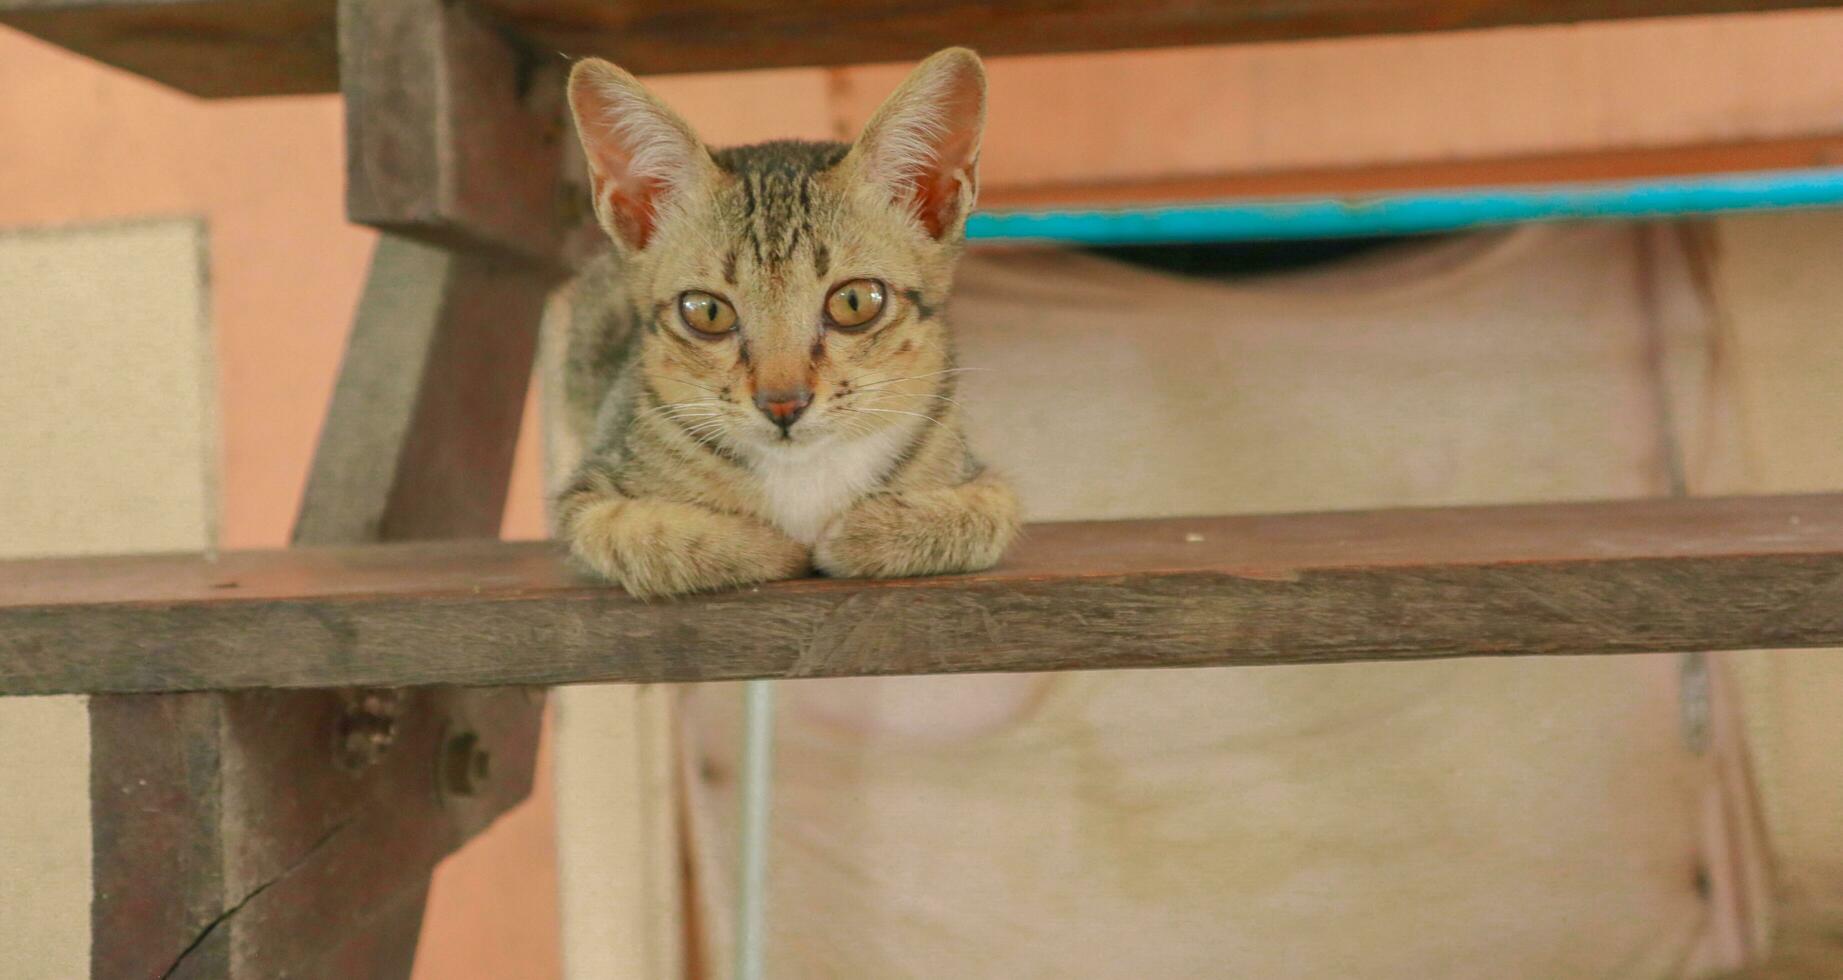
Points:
[(923, 143)]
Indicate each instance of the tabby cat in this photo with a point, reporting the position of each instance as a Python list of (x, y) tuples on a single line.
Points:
[(759, 368)]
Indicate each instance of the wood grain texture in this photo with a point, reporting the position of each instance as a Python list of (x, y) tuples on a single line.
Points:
[(419, 438), (158, 870), (228, 844), (717, 35), (288, 857), (1735, 573), (269, 47), (213, 48), (454, 130), (418, 444)]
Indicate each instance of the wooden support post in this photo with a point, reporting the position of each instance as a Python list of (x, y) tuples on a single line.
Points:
[(453, 129), (246, 835), (269, 833), (294, 833)]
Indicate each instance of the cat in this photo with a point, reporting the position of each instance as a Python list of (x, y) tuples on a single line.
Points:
[(759, 367)]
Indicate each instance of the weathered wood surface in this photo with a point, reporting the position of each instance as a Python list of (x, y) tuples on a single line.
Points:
[(294, 833), (214, 48), (418, 442), (1736, 573), (230, 842), (266, 47), (454, 130), (662, 36)]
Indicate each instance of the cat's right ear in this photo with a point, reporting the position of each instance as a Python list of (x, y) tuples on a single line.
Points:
[(641, 154)]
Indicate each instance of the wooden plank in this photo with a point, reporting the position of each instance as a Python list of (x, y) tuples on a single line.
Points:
[(716, 35), (1631, 577), (270, 47), (213, 48), (418, 441), (454, 130)]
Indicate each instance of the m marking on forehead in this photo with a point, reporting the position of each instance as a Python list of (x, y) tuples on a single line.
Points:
[(779, 196)]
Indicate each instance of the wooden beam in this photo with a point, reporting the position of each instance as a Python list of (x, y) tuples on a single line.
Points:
[(454, 130), (418, 442), (270, 47), (213, 48), (1633, 577), (664, 36)]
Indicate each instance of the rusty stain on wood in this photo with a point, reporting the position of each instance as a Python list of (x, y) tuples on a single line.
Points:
[(1630, 577)]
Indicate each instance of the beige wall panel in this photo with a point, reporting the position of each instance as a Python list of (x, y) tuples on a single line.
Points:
[(105, 389), (105, 383), (45, 838), (1540, 818), (1780, 280)]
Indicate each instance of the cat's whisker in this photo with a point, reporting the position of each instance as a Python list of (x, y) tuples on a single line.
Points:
[(700, 401), (706, 438), (879, 382), (891, 411), (687, 381), (712, 425), (674, 409), (853, 428), (918, 394)]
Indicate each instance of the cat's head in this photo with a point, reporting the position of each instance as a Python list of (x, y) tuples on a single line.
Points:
[(790, 293)]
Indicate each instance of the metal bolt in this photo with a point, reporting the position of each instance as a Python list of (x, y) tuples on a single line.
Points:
[(465, 766), (367, 728)]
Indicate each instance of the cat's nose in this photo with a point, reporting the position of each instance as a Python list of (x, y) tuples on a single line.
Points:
[(783, 407)]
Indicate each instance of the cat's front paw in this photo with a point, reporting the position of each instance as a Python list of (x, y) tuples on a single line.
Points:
[(929, 532), (656, 548)]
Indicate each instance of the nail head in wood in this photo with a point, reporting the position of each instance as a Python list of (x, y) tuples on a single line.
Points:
[(466, 765)]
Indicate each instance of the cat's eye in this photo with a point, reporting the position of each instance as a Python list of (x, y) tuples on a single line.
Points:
[(706, 313), (854, 304)]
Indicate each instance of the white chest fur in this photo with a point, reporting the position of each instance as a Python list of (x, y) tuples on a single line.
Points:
[(806, 486)]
